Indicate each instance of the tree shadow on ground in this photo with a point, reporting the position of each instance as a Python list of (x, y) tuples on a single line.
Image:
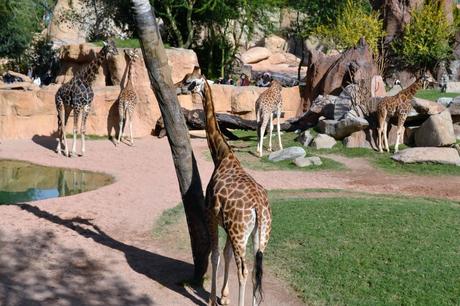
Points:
[(164, 270)]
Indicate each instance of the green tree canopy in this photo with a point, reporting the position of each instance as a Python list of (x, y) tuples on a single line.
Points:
[(19, 21)]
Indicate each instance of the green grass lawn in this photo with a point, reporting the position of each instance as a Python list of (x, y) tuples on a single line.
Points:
[(245, 149), (433, 94), (122, 43), (337, 247), (371, 250)]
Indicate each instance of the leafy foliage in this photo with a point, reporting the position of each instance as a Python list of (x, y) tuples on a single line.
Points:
[(19, 21), (353, 22), (425, 40)]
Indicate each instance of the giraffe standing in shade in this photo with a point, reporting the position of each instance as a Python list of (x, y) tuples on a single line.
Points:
[(77, 95), (268, 102), (128, 99), (397, 106), (236, 202)]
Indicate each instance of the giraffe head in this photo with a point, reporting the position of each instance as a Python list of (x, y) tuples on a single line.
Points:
[(193, 82), (132, 55), (109, 48)]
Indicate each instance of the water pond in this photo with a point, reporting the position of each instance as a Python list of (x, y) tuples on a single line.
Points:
[(22, 181)]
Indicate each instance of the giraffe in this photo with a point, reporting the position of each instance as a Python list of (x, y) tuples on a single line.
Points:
[(128, 99), (235, 201), (397, 106), (77, 95), (268, 102)]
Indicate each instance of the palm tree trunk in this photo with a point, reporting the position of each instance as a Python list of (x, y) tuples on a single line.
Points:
[(179, 141)]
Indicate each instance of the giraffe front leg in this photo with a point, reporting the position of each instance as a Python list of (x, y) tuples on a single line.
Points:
[(83, 131), (278, 128), (61, 128), (224, 300), (385, 136), (399, 138), (120, 130)]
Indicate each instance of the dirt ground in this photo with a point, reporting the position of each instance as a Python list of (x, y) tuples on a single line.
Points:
[(97, 248)]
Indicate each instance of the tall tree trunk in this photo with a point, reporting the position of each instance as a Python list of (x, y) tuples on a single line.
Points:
[(179, 141)]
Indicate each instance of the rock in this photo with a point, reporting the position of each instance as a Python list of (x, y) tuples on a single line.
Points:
[(341, 107), (275, 43), (428, 154), (423, 106), (65, 33), (436, 131), (290, 153), (409, 135), (305, 138), (327, 126), (329, 75), (445, 101), (377, 87), (454, 107), (356, 140), (302, 162), (243, 100), (324, 106), (457, 131), (323, 141), (346, 127), (453, 87), (255, 55)]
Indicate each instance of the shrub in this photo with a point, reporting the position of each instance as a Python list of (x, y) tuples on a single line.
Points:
[(425, 40), (353, 22)]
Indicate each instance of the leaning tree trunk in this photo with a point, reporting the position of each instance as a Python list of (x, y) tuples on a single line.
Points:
[(179, 141)]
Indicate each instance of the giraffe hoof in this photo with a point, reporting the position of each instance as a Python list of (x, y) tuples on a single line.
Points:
[(225, 300)]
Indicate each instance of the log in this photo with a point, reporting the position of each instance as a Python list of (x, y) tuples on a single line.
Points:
[(18, 85), (195, 121)]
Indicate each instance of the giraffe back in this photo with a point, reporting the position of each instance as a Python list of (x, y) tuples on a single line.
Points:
[(270, 99)]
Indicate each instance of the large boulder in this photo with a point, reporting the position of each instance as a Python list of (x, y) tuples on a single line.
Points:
[(426, 107), (255, 55), (329, 76), (346, 127), (327, 126), (290, 153), (275, 43), (436, 131), (457, 131), (428, 155), (323, 141), (357, 140)]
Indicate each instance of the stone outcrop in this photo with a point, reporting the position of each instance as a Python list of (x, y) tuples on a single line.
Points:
[(255, 55), (328, 75), (428, 155), (436, 131), (357, 140), (426, 107)]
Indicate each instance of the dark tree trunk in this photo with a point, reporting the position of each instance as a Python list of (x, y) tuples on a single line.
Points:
[(184, 160)]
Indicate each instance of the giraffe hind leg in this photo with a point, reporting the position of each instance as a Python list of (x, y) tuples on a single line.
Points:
[(76, 115), (214, 234), (278, 127), (263, 126), (224, 300), (61, 127)]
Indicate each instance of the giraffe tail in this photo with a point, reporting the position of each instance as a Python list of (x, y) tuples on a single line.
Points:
[(258, 267)]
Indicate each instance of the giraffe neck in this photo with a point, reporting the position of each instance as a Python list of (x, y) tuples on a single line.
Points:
[(217, 145), (88, 74), (129, 83), (410, 91)]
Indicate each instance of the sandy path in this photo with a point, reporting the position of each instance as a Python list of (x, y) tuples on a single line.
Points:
[(96, 248)]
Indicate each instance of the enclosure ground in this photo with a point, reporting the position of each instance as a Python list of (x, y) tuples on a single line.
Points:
[(97, 248)]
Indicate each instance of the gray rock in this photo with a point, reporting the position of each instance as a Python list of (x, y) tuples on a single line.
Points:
[(327, 126), (454, 107), (341, 107), (428, 154), (457, 131), (356, 140), (307, 161), (445, 101), (290, 153), (305, 138), (323, 141), (436, 131), (423, 106), (346, 127)]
